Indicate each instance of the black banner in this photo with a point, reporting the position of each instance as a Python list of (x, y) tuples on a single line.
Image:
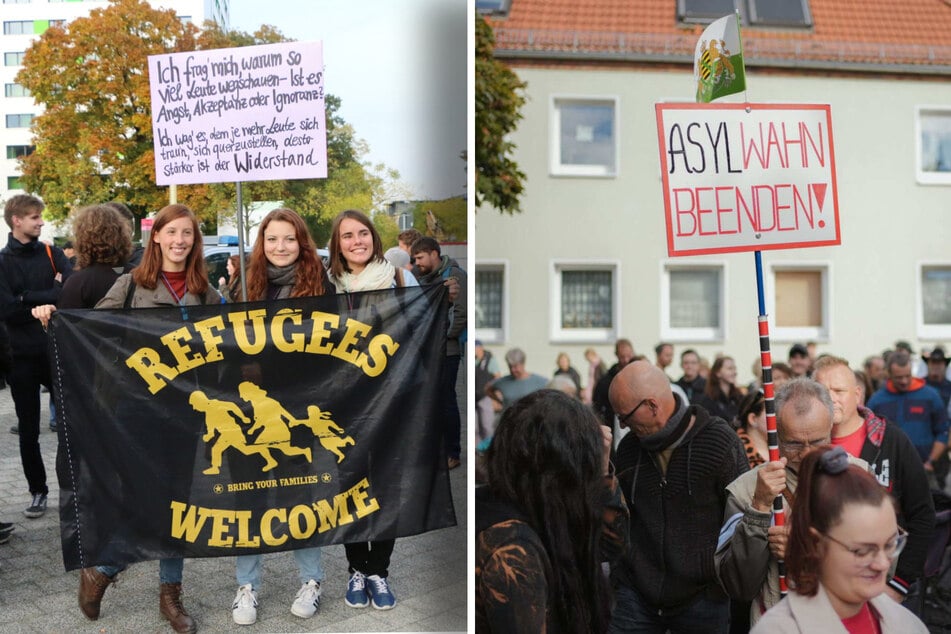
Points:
[(241, 428)]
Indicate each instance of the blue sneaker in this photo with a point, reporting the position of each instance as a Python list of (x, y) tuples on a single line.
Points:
[(380, 593), (357, 591)]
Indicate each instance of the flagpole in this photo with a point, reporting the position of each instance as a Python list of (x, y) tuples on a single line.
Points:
[(772, 435)]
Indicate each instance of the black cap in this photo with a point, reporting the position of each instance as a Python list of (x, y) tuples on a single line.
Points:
[(798, 350)]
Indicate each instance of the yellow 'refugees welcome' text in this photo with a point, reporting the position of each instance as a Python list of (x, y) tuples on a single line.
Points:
[(195, 344), (223, 528)]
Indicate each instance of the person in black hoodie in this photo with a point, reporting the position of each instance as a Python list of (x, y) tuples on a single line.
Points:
[(673, 469), (31, 274), (551, 512)]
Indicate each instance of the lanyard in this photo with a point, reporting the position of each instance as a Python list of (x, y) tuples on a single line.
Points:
[(180, 300)]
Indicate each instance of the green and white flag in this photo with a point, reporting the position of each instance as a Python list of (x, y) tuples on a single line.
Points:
[(718, 61)]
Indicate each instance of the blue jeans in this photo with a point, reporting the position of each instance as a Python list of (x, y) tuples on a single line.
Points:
[(170, 570), (633, 614), (248, 567)]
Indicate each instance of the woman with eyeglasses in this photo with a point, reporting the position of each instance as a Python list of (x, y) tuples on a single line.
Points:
[(750, 424), (843, 539)]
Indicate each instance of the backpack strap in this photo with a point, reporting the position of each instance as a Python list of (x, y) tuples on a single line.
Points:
[(129, 293), (49, 254)]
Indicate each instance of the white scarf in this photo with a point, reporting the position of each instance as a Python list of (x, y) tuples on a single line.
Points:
[(377, 274)]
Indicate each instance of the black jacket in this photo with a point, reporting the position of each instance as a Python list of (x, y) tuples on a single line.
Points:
[(676, 516), (27, 280), (895, 463)]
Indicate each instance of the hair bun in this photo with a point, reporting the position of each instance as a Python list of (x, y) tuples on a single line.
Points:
[(834, 461)]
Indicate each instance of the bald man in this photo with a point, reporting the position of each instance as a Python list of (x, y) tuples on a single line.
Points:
[(673, 468)]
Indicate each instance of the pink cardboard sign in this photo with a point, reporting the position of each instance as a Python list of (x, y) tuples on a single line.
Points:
[(747, 177), (251, 113)]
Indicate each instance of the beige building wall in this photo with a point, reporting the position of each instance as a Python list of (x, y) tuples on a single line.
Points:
[(890, 224)]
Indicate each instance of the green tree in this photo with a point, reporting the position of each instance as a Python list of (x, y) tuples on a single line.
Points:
[(448, 222), (94, 141), (498, 98)]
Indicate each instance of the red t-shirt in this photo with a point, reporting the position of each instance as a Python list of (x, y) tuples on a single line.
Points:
[(854, 441), (865, 622)]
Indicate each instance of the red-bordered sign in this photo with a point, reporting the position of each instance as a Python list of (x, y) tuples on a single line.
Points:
[(747, 177)]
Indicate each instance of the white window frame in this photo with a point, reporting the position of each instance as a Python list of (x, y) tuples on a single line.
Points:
[(928, 331), (557, 334), (821, 333), (556, 167), (495, 335), (922, 176), (692, 335)]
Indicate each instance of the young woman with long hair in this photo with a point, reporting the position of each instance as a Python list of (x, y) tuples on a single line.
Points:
[(843, 538), (357, 264), (540, 519), (283, 264), (720, 396), (172, 273)]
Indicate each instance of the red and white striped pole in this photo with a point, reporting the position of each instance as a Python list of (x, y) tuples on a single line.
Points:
[(772, 437)]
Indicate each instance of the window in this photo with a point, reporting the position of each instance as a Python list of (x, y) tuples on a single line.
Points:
[(18, 27), (13, 182), (693, 302), (491, 301), (15, 90), (19, 120), (584, 301), (934, 145), (766, 13), (934, 301), (492, 7), (16, 151), (703, 11), (583, 136), (13, 59), (779, 13), (800, 302)]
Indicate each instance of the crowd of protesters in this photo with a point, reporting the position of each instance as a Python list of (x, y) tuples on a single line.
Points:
[(107, 272), (689, 541)]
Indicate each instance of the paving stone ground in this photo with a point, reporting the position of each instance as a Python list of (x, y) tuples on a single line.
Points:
[(428, 572)]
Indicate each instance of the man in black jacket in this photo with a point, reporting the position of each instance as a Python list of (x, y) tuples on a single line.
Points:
[(673, 470), (892, 459), (31, 273)]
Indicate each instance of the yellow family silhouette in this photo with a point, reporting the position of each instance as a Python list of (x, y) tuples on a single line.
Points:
[(273, 421)]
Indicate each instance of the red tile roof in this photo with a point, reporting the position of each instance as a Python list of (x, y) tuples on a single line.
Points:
[(915, 34)]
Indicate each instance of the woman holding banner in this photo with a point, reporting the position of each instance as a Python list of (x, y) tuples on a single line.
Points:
[(357, 264), (283, 264), (172, 273)]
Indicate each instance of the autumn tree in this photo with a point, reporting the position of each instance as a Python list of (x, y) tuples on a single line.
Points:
[(94, 140), (498, 98)]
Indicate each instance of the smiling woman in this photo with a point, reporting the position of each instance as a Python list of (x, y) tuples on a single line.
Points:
[(843, 539)]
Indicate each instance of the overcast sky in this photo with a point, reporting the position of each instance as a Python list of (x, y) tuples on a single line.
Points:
[(399, 67)]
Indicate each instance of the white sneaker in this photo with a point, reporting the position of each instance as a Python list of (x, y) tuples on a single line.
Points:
[(244, 610), (307, 600)]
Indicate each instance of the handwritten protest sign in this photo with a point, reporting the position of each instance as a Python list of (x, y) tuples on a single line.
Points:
[(738, 180), (239, 114)]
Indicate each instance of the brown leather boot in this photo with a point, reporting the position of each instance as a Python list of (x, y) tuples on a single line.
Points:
[(92, 585), (170, 605)]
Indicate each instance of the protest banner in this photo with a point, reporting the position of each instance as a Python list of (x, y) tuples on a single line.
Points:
[(242, 428), (747, 177), (239, 114)]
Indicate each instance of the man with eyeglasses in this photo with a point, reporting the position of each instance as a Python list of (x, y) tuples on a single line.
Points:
[(673, 469), (893, 461), (749, 546)]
